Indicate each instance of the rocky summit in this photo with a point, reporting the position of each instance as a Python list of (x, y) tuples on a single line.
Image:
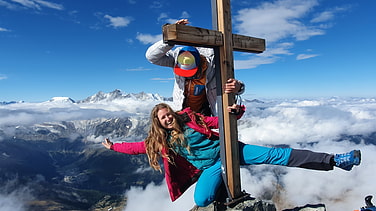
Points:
[(253, 204)]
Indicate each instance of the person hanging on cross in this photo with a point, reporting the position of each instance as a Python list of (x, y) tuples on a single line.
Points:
[(194, 69)]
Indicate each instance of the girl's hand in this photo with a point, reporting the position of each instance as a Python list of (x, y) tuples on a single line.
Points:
[(107, 143), (234, 109)]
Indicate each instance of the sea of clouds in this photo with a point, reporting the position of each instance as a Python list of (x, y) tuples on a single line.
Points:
[(323, 125)]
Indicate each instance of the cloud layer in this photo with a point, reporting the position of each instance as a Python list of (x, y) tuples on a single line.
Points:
[(325, 125)]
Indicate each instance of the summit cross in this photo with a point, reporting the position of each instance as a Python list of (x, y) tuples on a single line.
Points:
[(224, 42)]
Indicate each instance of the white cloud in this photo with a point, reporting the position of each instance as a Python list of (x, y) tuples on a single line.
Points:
[(132, 1), (253, 62), (156, 5), (153, 195), (28, 4), (15, 200), (38, 4), (282, 21), (162, 79), (7, 5), (50, 5), (308, 121), (148, 38), (137, 69), (305, 56), (3, 77), (117, 22), (162, 16), (327, 15), (275, 21), (268, 57), (49, 111), (185, 15), (4, 29), (322, 17)]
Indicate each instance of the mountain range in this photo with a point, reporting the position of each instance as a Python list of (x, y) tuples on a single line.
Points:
[(65, 171), (119, 95)]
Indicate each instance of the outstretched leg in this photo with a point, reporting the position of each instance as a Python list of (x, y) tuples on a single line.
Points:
[(310, 160), (253, 155), (324, 161)]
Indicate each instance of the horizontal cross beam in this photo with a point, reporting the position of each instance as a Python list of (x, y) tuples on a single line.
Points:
[(195, 36)]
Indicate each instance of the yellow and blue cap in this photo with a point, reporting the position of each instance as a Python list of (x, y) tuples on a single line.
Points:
[(188, 62)]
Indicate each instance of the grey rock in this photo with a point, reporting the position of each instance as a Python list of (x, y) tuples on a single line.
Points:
[(250, 204)]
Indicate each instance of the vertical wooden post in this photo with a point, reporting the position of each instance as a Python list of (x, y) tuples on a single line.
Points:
[(228, 122)]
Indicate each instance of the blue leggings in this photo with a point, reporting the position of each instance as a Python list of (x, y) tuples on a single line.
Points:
[(211, 178)]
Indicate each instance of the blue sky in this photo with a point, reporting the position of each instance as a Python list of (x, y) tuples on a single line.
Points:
[(315, 48)]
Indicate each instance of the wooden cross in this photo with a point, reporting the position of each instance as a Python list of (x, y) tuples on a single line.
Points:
[(223, 42)]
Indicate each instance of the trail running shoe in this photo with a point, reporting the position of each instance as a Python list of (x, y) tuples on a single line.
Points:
[(347, 160)]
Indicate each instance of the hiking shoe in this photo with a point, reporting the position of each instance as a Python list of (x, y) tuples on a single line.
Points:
[(347, 160)]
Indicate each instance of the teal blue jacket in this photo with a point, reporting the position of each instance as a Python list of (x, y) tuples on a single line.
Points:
[(202, 152)]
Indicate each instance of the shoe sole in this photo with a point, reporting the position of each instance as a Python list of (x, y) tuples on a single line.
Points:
[(357, 157)]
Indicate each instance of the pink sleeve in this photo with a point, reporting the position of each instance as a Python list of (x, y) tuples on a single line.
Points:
[(132, 148), (211, 121)]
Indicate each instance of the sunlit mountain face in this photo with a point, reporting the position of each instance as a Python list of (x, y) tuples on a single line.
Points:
[(51, 156)]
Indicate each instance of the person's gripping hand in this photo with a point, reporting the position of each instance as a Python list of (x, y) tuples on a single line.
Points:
[(182, 21), (107, 143), (232, 86)]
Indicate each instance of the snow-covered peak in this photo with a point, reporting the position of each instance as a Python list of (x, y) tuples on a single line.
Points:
[(101, 96), (62, 100), (119, 95)]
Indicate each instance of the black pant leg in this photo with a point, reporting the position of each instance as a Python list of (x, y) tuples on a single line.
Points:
[(310, 160)]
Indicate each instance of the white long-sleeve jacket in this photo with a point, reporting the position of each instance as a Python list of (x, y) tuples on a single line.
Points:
[(164, 55)]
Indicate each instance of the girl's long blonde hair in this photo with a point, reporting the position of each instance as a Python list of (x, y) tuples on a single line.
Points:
[(156, 140), (157, 136)]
